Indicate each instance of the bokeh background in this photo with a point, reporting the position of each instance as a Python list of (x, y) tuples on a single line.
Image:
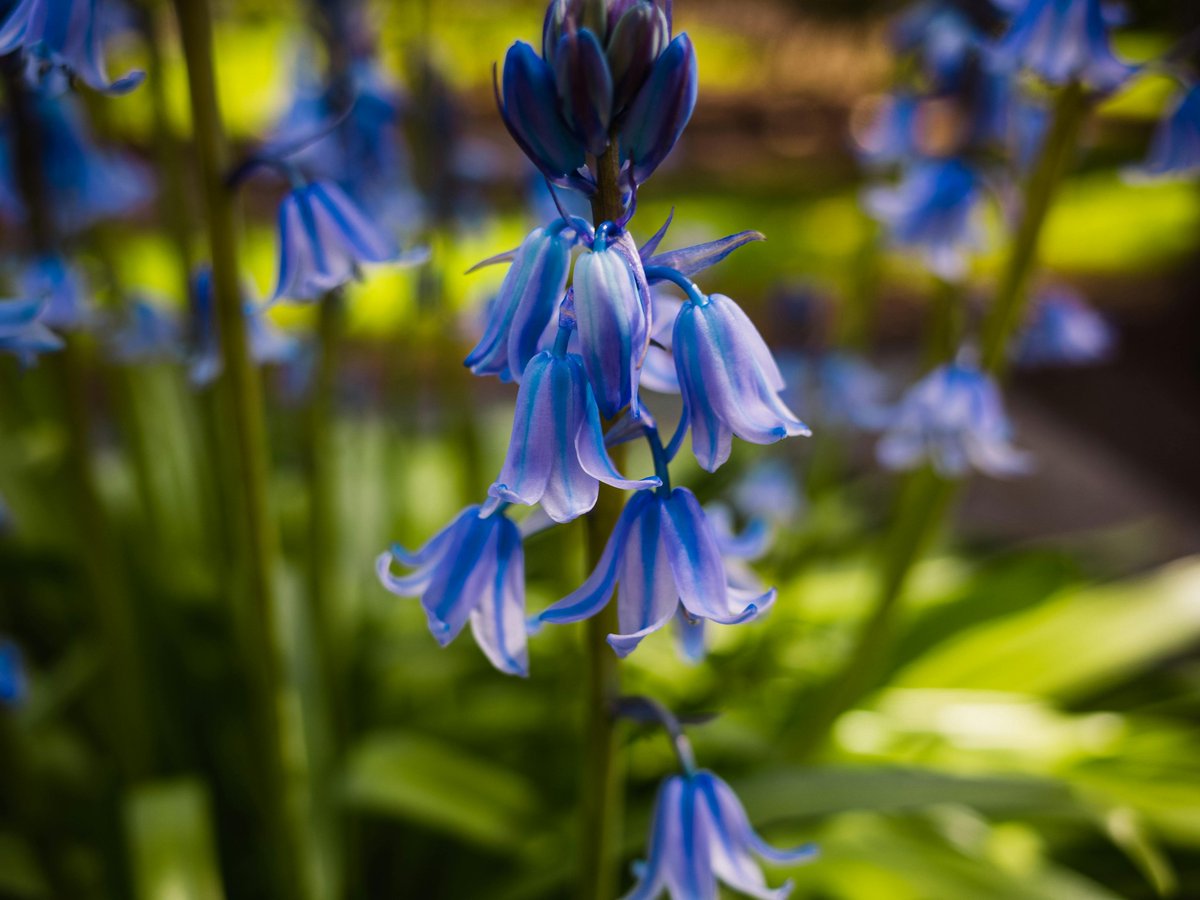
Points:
[(1037, 734)]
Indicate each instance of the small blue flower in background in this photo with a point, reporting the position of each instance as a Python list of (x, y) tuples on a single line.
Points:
[(729, 380), (67, 301), (14, 685), (530, 293), (658, 368), (268, 345), (701, 835), (556, 455), (953, 419), (324, 240), (841, 389), (663, 552), (1175, 148), (61, 36), (769, 492), (149, 333), (942, 35), (891, 133), (933, 210), (473, 569), (84, 183), (23, 331), (1064, 331), (1061, 41), (613, 307)]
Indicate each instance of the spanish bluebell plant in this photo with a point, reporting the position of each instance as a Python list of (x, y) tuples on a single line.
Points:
[(61, 37), (597, 111)]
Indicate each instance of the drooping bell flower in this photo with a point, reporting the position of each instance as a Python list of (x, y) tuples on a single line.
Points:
[(1064, 331), (23, 331), (324, 240), (61, 36), (268, 345), (933, 210), (944, 38), (953, 419), (839, 390), (769, 492), (84, 183), (701, 835), (729, 379), (612, 305), (1062, 41), (473, 569), (664, 554), (1175, 148), (556, 455), (531, 291), (149, 333), (892, 133), (14, 684)]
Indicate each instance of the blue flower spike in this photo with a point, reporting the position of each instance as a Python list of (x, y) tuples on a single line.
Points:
[(64, 37), (556, 456), (701, 835), (473, 570)]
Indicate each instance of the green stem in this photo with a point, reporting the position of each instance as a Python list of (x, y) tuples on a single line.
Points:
[(947, 317), (247, 489), (602, 799), (924, 497)]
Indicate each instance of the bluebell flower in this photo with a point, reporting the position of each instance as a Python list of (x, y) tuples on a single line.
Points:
[(23, 331), (953, 419), (942, 35), (612, 303), (473, 569), (523, 309), (838, 389), (664, 554), (556, 455), (363, 152), (892, 133), (933, 210), (61, 36), (1062, 41), (701, 835), (729, 380), (1063, 331), (67, 300), (14, 685), (324, 240), (1175, 148), (84, 182), (150, 332), (268, 345)]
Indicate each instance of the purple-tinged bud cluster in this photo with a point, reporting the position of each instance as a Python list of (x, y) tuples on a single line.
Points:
[(61, 37), (701, 835), (608, 72)]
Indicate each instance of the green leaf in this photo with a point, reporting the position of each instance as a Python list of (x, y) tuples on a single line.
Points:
[(425, 781), (170, 834), (1076, 643)]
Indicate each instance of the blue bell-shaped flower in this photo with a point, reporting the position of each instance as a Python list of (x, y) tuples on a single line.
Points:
[(1063, 40)]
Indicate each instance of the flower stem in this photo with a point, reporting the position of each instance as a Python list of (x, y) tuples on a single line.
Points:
[(602, 800), (247, 489), (924, 497)]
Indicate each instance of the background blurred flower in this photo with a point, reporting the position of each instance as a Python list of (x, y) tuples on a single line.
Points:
[(1064, 331)]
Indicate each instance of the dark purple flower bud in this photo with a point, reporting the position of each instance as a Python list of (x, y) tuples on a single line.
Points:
[(612, 303), (530, 110), (585, 88), (637, 39), (565, 17), (661, 109)]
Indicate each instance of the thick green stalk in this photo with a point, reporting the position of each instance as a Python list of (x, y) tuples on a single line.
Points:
[(924, 497), (602, 796), (247, 475)]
